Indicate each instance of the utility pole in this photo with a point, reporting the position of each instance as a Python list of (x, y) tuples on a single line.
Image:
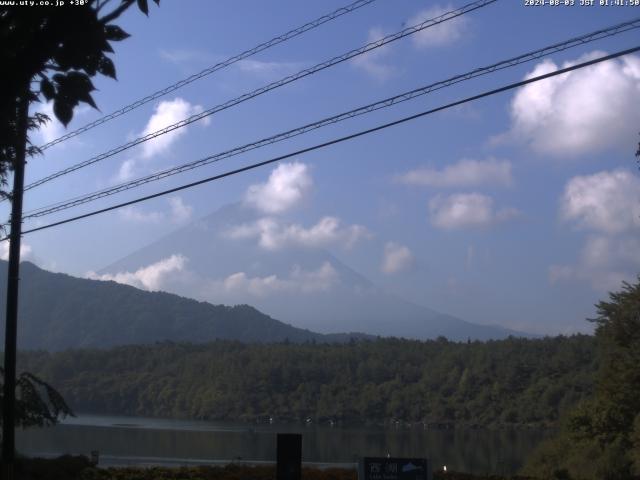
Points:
[(11, 328)]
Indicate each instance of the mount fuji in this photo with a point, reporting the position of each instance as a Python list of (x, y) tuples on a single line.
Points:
[(235, 256)]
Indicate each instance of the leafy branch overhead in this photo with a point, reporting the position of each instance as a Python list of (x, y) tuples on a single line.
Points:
[(51, 53), (47, 53), (37, 402)]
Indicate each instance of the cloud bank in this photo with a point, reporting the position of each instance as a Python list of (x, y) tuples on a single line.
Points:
[(299, 280), (25, 251), (467, 210), (608, 201), (397, 258), (179, 212), (465, 173), (288, 184), (607, 205), (149, 278), (373, 62), (580, 112), (273, 234), (439, 35)]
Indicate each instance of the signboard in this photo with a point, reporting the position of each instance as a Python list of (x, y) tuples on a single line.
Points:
[(390, 468), (289, 456)]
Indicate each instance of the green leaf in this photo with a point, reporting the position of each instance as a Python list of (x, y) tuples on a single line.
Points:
[(78, 81), (143, 6), (73, 87), (47, 89), (63, 110), (77, 87), (106, 67), (87, 98), (115, 33), (91, 62)]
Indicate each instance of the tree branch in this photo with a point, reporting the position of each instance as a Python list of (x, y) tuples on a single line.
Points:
[(117, 12)]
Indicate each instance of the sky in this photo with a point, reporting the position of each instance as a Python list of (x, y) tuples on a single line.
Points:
[(520, 209)]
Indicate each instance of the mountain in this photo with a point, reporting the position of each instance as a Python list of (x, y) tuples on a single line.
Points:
[(225, 259), (58, 311)]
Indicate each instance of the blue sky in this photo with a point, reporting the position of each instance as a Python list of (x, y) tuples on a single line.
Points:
[(520, 209)]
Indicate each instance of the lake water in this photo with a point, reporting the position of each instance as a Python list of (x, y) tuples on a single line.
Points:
[(148, 441)]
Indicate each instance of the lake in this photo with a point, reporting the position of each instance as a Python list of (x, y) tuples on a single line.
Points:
[(150, 441)]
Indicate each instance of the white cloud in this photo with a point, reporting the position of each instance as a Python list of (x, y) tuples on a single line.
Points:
[(25, 251), (127, 171), (581, 111), (179, 212), (183, 57), (167, 113), (267, 69), (467, 210), (465, 173), (273, 234), (151, 277), (396, 258), (607, 201), (287, 185), (135, 215), (372, 62), (321, 279), (257, 286), (439, 35), (604, 262), (299, 280)]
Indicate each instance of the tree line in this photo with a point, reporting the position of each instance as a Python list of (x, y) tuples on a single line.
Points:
[(600, 437), (507, 382)]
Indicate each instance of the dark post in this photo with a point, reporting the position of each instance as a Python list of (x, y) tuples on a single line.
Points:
[(11, 329), (289, 456)]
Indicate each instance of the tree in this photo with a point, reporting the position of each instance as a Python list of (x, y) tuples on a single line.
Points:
[(51, 53), (600, 439), (37, 402), (48, 52)]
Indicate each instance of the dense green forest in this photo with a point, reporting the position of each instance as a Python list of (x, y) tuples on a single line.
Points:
[(506, 382), (600, 438)]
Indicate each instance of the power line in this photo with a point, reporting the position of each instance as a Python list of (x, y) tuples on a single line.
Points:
[(271, 86), (388, 102), (214, 68), (361, 133)]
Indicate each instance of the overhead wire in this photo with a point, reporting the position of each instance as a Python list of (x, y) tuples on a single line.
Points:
[(271, 86), (335, 141), (385, 103), (214, 68)]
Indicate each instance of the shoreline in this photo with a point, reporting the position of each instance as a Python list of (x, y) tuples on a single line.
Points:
[(303, 423), (80, 468)]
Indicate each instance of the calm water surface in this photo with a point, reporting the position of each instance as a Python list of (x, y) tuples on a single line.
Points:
[(135, 440)]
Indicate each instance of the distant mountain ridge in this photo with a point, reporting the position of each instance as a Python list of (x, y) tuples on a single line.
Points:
[(58, 311), (351, 303)]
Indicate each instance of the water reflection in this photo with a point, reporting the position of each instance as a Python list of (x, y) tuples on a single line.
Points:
[(141, 440)]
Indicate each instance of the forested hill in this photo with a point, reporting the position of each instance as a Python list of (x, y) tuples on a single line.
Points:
[(58, 311), (506, 382)]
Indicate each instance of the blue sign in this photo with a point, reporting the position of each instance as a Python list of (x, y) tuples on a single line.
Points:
[(389, 468)]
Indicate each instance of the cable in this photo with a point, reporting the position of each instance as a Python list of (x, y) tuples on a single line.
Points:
[(388, 102), (284, 81), (208, 71), (361, 133)]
